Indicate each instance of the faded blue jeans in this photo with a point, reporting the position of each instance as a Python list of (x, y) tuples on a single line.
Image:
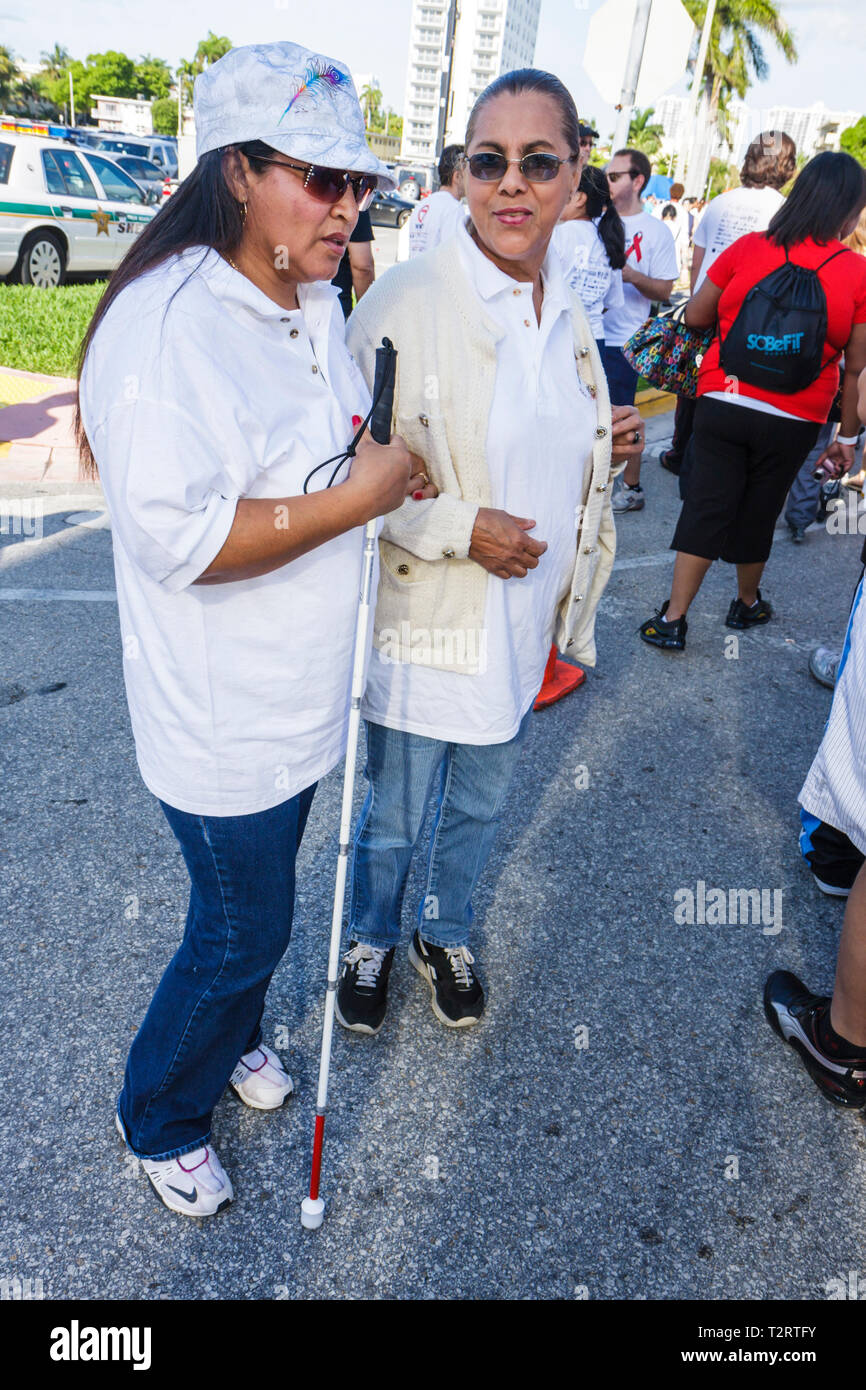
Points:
[(207, 1009), (473, 787)]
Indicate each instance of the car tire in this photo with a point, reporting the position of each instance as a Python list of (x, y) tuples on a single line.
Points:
[(403, 217), (42, 260)]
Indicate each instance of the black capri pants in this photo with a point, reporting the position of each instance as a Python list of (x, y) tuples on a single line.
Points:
[(743, 464)]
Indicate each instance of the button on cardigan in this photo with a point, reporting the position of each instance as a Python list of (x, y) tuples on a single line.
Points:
[(446, 364)]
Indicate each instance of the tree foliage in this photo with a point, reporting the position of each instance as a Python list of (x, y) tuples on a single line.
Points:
[(643, 134), (736, 57), (164, 114), (853, 140)]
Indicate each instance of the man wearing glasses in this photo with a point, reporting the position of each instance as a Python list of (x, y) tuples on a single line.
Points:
[(648, 275), (588, 137)]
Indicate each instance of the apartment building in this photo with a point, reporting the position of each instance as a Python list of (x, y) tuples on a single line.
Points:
[(490, 37)]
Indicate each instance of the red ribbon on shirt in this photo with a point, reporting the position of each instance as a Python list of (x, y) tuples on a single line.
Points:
[(635, 246)]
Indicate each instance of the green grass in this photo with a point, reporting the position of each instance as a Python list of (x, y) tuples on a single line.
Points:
[(41, 330)]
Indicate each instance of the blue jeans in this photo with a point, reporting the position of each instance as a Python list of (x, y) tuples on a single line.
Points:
[(621, 376), (473, 787), (805, 495), (207, 1009)]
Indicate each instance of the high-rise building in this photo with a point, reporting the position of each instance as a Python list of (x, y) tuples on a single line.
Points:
[(490, 37), (812, 128)]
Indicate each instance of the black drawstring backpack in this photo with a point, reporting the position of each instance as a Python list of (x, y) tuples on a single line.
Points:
[(777, 339)]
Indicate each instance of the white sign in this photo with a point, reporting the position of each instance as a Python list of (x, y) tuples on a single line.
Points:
[(669, 38)]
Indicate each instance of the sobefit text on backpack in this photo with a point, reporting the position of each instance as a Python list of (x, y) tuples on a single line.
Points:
[(777, 339)]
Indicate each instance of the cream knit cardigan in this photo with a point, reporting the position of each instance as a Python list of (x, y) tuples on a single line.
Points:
[(446, 364)]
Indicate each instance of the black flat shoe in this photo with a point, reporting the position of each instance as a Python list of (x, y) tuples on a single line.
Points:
[(792, 1012), (671, 637), (667, 461), (740, 616)]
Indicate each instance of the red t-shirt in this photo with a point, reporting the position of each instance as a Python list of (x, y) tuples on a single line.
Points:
[(746, 261)]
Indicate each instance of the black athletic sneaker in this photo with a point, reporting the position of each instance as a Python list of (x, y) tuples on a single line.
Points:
[(793, 1013), (741, 616), (362, 991), (455, 991), (659, 633)]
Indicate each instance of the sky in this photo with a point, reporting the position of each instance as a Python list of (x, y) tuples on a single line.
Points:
[(831, 36)]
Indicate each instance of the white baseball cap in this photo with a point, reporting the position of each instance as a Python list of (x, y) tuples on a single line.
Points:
[(297, 101)]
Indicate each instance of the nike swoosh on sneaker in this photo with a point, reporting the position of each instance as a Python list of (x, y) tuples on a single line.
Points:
[(187, 1196)]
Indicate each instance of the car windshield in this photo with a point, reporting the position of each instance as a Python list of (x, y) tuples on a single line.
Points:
[(123, 147), (116, 183), (139, 168), (65, 174)]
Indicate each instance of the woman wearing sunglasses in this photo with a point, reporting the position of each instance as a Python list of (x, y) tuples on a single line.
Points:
[(215, 379), (500, 390)]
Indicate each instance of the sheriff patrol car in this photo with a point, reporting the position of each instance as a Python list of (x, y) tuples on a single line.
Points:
[(63, 207)]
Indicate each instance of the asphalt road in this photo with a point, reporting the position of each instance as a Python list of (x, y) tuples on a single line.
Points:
[(621, 1125)]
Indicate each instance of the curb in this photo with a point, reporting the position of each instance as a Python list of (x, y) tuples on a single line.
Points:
[(29, 458)]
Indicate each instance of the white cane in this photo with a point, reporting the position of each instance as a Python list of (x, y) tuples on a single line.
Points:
[(313, 1206)]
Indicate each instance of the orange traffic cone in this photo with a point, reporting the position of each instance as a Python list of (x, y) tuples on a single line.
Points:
[(560, 678)]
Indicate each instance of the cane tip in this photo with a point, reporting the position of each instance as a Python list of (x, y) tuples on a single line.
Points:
[(312, 1213)]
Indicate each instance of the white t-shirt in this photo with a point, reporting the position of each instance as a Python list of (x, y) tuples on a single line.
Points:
[(238, 692), (588, 270), (731, 216), (539, 435), (649, 248), (435, 219)]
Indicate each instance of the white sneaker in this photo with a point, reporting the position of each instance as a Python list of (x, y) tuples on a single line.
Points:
[(196, 1184), (261, 1080), (628, 499)]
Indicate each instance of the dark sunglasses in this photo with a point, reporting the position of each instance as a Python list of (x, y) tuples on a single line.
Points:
[(537, 168), (622, 174), (329, 185)]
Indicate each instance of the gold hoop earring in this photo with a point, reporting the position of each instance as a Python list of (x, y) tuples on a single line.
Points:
[(243, 208)]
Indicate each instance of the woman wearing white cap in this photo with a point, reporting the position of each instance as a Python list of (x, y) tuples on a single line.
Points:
[(215, 379), (500, 390)]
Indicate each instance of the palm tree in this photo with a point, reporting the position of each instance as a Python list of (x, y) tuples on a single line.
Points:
[(736, 56), (55, 63), (9, 72), (643, 134), (210, 49), (371, 100)]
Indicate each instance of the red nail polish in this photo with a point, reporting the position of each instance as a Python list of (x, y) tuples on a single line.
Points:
[(417, 496), (356, 420)]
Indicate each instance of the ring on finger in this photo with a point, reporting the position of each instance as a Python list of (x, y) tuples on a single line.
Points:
[(636, 437)]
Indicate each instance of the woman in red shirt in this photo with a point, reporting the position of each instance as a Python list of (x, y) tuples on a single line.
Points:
[(749, 442)]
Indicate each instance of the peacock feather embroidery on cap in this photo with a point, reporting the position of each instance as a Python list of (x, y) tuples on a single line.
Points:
[(319, 80)]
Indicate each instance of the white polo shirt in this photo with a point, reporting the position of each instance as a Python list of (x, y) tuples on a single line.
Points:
[(538, 438), (435, 219), (199, 390)]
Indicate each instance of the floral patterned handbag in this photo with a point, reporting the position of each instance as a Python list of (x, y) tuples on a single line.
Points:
[(667, 353)]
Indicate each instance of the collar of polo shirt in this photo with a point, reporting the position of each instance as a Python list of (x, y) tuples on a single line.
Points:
[(490, 280), (238, 294)]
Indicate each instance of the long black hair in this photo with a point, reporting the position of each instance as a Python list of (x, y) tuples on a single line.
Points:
[(203, 212), (600, 209), (828, 191)]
